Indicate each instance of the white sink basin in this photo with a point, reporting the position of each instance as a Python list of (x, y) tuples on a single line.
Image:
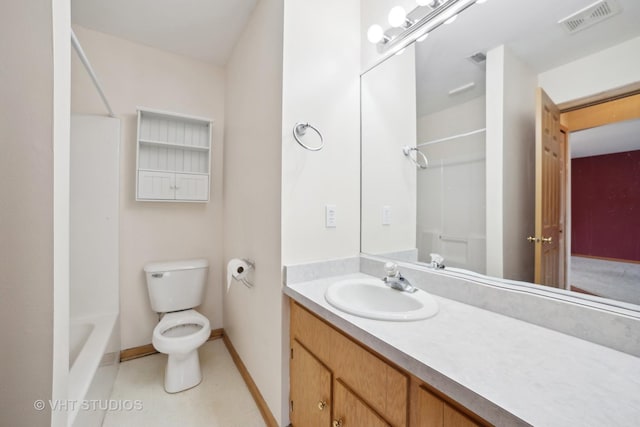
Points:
[(372, 299)]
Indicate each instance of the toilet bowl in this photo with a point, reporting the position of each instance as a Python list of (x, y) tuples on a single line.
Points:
[(179, 334), (175, 288)]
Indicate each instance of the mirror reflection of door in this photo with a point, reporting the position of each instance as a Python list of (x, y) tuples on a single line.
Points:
[(549, 193)]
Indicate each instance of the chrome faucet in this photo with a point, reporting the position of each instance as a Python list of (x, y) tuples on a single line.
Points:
[(394, 279), (437, 261)]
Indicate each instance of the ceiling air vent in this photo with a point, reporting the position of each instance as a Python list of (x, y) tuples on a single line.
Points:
[(590, 15), (478, 58)]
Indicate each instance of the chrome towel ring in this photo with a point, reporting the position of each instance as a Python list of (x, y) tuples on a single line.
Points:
[(299, 129), (407, 152)]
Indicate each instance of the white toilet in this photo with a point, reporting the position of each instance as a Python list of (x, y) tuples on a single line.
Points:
[(174, 289)]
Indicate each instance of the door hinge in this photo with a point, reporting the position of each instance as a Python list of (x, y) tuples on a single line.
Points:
[(292, 353), (291, 406)]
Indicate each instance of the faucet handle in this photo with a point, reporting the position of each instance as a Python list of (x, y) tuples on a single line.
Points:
[(391, 269), (437, 260)]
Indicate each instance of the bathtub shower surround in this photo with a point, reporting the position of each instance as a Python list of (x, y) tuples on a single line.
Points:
[(93, 365), (94, 336)]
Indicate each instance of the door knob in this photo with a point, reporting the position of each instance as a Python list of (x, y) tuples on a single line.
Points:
[(337, 423), (322, 404), (547, 239), (533, 239)]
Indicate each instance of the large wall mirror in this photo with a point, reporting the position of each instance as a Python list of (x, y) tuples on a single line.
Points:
[(507, 144)]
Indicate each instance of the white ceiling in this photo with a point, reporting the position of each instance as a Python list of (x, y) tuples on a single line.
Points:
[(203, 29), (613, 138), (528, 27)]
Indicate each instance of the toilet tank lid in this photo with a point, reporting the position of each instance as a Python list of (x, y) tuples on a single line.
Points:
[(189, 264)]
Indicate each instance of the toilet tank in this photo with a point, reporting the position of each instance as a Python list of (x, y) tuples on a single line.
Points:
[(177, 285)]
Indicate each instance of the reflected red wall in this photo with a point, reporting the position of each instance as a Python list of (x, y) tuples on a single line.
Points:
[(605, 206)]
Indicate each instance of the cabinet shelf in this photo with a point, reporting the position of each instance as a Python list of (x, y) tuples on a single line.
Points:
[(173, 157), (172, 145), (172, 171)]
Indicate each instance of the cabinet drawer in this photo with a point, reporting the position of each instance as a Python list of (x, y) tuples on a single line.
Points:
[(377, 383)]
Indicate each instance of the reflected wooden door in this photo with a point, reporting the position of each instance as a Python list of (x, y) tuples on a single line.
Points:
[(549, 176)]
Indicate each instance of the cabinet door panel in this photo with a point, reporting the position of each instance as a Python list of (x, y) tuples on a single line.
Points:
[(156, 185), (454, 418), (352, 411), (310, 388), (427, 410), (376, 382), (192, 187)]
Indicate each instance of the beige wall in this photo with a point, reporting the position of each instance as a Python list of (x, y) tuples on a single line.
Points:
[(321, 75), (26, 212), (134, 75), (603, 71), (253, 317)]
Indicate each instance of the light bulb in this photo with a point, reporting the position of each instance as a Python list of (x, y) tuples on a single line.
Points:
[(423, 37), (397, 16), (375, 33), (450, 20)]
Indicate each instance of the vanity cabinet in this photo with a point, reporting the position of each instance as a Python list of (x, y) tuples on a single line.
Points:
[(311, 386), (428, 410), (337, 382), (173, 157)]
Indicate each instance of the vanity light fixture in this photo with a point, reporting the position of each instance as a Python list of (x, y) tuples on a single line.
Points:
[(397, 16), (376, 34), (417, 24)]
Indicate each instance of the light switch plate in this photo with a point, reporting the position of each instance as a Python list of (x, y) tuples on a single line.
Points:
[(330, 216), (386, 215)]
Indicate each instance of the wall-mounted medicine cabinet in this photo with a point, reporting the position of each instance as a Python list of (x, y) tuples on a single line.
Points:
[(173, 157)]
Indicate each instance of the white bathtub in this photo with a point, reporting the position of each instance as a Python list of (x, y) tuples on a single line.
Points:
[(94, 355)]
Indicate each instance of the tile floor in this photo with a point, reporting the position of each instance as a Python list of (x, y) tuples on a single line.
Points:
[(222, 399)]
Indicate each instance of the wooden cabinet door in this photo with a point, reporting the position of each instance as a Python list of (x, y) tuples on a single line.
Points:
[(310, 388), (427, 410), (350, 411), (454, 418)]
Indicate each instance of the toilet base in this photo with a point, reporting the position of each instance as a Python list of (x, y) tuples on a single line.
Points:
[(182, 372)]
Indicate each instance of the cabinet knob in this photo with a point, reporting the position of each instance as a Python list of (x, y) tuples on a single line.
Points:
[(337, 423), (322, 404)]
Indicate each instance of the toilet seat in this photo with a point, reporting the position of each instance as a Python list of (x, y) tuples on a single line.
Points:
[(181, 332)]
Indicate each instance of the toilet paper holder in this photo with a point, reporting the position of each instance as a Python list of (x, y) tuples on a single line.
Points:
[(251, 265)]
